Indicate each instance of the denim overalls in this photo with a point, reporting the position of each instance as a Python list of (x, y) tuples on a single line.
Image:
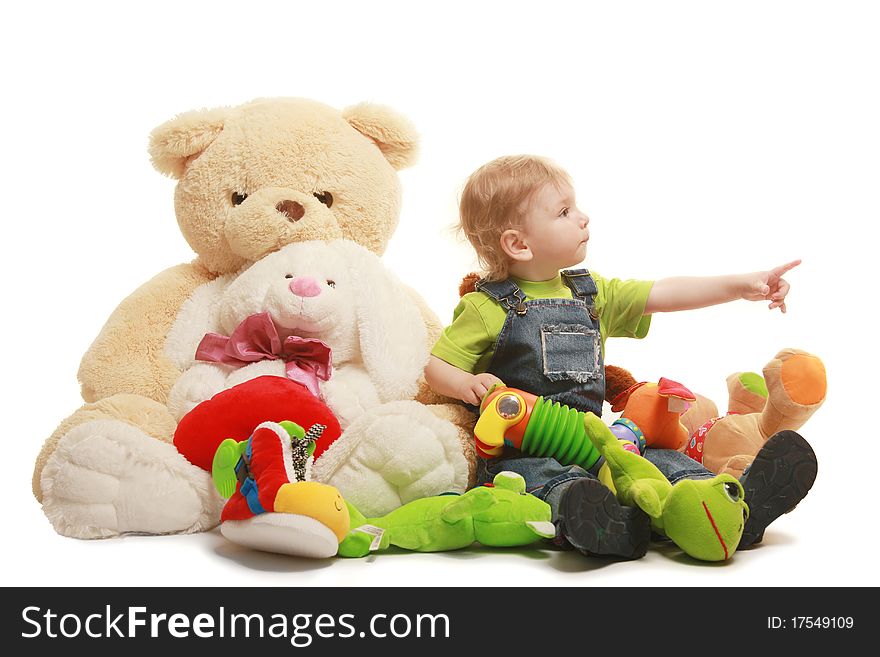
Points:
[(552, 347)]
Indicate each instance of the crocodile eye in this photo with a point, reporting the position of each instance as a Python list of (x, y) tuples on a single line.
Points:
[(733, 491), (325, 197), (238, 199), (509, 407)]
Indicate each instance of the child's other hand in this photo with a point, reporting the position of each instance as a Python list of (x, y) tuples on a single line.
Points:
[(764, 285), (474, 390)]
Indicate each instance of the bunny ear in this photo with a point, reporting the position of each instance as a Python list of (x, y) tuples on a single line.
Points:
[(393, 338)]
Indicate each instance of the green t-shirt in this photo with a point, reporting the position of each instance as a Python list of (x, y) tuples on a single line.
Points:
[(469, 342)]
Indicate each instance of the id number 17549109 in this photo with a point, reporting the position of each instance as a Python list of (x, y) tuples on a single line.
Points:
[(810, 623)]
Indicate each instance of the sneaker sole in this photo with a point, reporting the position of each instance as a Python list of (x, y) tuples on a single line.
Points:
[(598, 525), (780, 476)]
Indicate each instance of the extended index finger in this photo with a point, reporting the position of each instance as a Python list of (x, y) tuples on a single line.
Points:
[(779, 271)]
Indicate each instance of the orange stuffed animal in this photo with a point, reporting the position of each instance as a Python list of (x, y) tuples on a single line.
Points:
[(792, 389), (656, 408)]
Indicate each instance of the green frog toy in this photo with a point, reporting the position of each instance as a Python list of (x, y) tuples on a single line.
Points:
[(704, 517), (501, 515)]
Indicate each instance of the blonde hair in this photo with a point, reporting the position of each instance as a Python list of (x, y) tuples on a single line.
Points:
[(494, 199)]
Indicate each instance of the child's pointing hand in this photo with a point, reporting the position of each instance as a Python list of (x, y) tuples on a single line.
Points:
[(764, 285)]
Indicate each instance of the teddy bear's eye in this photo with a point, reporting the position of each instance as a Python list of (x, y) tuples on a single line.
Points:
[(238, 199), (325, 197), (331, 283), (288, 276)]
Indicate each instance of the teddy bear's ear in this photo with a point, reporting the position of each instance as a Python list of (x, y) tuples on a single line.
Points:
[(174, 142), (395, 136)]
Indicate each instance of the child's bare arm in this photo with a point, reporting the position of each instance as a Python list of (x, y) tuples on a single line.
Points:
[(448, 380), (687, 293)]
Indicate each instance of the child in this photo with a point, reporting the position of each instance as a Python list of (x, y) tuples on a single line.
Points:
[(543, 331)]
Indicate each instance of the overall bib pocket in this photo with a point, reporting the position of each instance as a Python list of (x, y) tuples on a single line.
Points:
[(570, 352)]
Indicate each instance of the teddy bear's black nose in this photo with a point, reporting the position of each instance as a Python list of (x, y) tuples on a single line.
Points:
[(292, 210)]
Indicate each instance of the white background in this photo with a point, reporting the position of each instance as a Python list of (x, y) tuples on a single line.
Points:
[(704, 138)]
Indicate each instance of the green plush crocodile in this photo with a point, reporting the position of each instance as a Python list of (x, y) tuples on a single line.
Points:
[(704, 517), (499, 515)]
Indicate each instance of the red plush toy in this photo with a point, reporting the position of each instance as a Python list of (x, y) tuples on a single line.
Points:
[(236, 412)]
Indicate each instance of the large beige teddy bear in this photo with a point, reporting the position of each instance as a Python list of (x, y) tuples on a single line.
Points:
[(251, 179), (392, 449)]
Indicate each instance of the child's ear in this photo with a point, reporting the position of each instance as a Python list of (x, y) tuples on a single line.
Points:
[(513, 244)]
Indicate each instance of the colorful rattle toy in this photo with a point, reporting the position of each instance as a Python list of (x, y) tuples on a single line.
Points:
[(540, 427)]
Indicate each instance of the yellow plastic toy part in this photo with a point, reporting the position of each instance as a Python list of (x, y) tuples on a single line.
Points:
[(503, 412)]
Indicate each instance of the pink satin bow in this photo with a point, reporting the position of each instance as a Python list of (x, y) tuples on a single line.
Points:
[(256, 339)]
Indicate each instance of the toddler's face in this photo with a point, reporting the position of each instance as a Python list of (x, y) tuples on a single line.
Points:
[(554, 229)]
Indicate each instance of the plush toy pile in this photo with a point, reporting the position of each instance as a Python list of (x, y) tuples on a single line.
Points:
[(792, 389), (251, 180), (286, 361)]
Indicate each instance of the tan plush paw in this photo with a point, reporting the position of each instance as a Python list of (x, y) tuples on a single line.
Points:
[(803, 377), (747, 393), (796, 387), (736, 464)]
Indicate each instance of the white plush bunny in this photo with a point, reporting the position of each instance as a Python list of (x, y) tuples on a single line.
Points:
[(392, 449)]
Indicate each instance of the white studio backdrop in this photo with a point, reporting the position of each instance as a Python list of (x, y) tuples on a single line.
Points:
[(703, 138)]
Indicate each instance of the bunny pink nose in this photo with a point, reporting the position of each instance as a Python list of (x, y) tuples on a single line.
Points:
[(305, 286)]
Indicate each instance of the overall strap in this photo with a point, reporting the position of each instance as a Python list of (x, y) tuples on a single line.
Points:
[(582, 286), (506, 292)]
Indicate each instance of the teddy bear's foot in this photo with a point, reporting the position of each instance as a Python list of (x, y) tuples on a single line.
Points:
[(747, 393), (391, 455), (780, 476), (284, 533), (796, 384), (107, 478)]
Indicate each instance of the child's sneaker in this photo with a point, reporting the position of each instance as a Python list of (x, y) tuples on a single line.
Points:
[(780, 476), (596, 524)]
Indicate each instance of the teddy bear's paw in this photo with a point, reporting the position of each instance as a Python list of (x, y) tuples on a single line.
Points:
[(396, 453), (108, 478)]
